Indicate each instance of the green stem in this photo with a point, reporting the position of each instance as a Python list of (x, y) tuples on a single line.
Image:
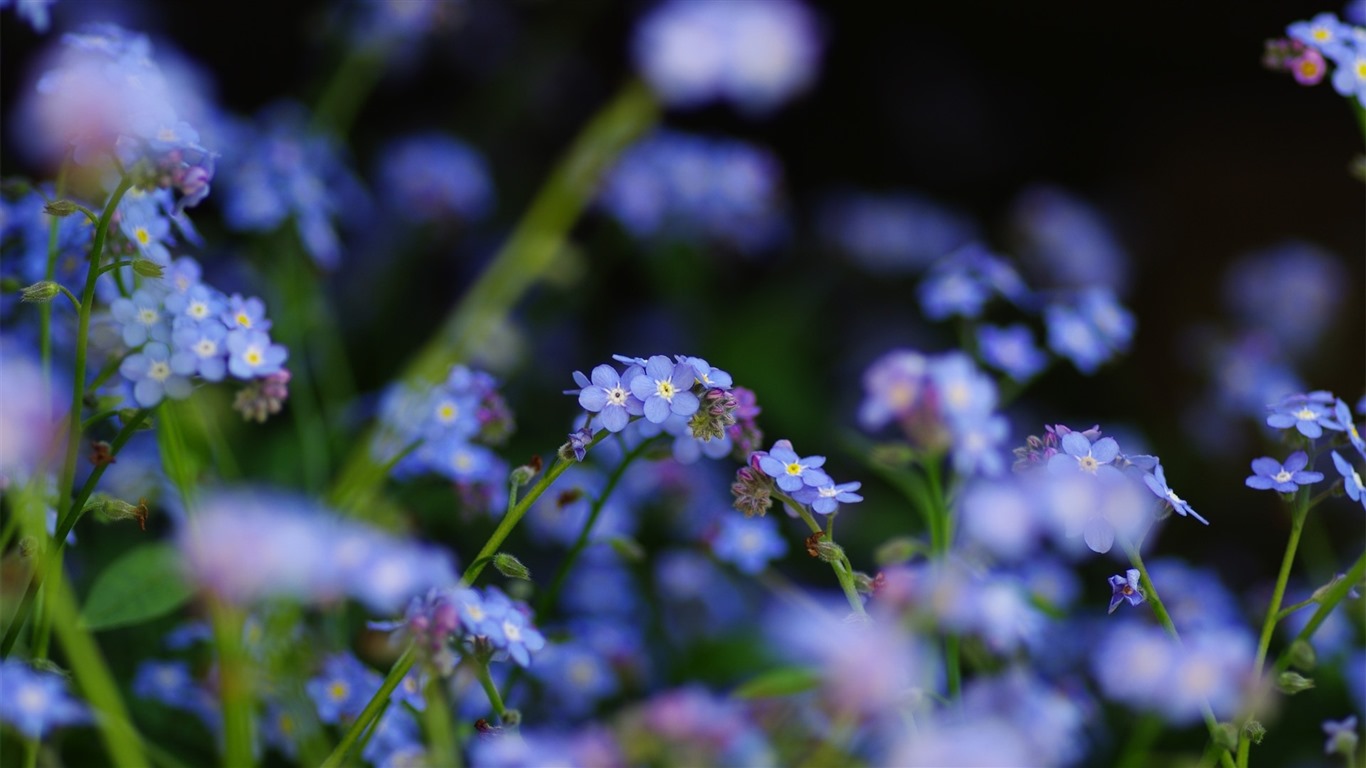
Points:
[(481, 669), (1164, 618), (436, 717), (547, 599), (353, 80), (515, 515), (1141, 738), (525, 257), (1329, 600), (234, 685), (50, 271), (844, 573), (1277, 596), (373, 709)]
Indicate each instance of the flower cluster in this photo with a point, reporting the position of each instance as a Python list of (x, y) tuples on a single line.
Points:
[(754, 55), (182, 328), (780, 469), (1312, 44), (247, 546), (467, 621), (431, 176), (106, 101), (1307, 416), (678, 186), (684, 397), (447, 430)]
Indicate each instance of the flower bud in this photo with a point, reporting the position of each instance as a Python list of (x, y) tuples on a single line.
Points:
[(59, 208), (512, 718), (628, 548), (1293, 682), (522, 475), (829, 551), (511, 567), (109, 509), (1255, 731), (40, 293), (1302, 655), (864, 583), (148, 268)]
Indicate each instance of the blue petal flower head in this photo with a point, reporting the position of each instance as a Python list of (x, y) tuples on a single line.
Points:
[(141, 317), (1324, 33), (252, 354), (1125, 588), (827, 497), (665, 387), (1344, 417), (575, 676), (247, 314), (707, 376), (1342, 737), (748, 543), (1269, 474), (518, 638), (1291, 291), (200, 348), (1072, 337), (1351, 479), (792, 471), (1157, 483), (342, 689), (1079, 454), (607, 394), (36, 702), (976, 439), (170, 683), (35, 12), (894, 385), (951, 289), (1308, 413), (152, 376), (1012, 350), (198, 303), (1068, 239), (478, 618)]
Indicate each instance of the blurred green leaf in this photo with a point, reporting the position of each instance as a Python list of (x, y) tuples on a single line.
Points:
[(143, 584), (784, 681)]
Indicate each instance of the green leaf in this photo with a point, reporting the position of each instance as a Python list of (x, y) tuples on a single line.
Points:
[(146, 582), (783, 681)]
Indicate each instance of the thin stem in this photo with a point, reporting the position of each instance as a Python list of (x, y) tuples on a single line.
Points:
[(373, 709), (844, 573), (234, 685), (50, 271), (436, 717), (1329, 600), (515, 515), (481, 669)]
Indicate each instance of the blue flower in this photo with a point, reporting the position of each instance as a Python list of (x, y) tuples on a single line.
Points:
[(1091, 331), (827, 497), (396, 739), (1344, 417), (432, 176), (575, 677), (607, 394), (1351, 480), (200, 348), (251, 354), (664, 387), (894, 234), (1309, 414), (1342, 737), (36, 702), (1157, 483), (1324, 33), (1067, 239), (152, 376), (1079, 454), (748, 543), (247, 314), (1125, 588), (1012, 350), (141, 318), (707, 376), (342, 689), (1284, 478), (518, 638), (792, 471), (894, 385)]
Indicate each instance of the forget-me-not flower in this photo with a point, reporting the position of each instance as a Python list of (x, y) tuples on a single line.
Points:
[(792, 471), (1270, 474), (1125, 587), (665, 387)]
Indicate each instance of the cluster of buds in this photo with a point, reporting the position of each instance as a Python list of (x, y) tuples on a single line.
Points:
[(744, 430), (263, 397), (715, 415), (1038, 450), (753, 488)]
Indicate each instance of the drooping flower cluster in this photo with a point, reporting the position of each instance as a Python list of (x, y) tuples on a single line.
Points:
[(459, 620), (248, 546), (678, 186), (755, 54), (684, 397), (106, 101), (1312, 44), (447, 430), (181, 328)]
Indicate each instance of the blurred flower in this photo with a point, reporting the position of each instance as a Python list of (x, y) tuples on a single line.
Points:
[(893, 234), (247, 546), (431, 176), (675, 185), (574, 677), (1291, 291), (755, 55), (1068, 241), (31, 415), (342, 688), (36, 702), (1012, 350), (962, 282), (1342, 736), (1268, 474), (1090, 329), (748, 543), (35, 12)]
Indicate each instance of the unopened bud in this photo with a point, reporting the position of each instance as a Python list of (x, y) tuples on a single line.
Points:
[(1302, 655), (829, 551), (628, 548), (1293, 682), (40, 292), (522, 475), (1255, 731), (511, 567), (148, 268), (1226, 736), (512, 718), (110, 509), (864, 583), (60, 208)]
